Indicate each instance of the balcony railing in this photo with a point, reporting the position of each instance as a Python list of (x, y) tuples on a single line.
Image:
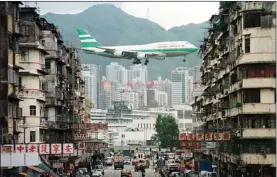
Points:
[(32, 93), (258, 133)]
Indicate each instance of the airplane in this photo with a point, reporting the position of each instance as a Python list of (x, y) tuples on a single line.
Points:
[(158, 50)]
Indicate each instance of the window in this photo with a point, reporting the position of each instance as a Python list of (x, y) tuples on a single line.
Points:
[(24, 29), (20, 82), (252, 20), (43, 43), (32, 136), (247, 43), (252, 96), (25, 56), (33, 111)]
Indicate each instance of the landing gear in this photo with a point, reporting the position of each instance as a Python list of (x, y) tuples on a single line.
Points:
[(136, 61), (146, 62), (184, 60)]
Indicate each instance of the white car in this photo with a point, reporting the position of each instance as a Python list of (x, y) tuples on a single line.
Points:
[(96, 173), (100, 168)]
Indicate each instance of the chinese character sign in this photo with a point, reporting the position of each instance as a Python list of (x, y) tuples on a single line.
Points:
[(182, 136), (44, 149), (81, 145), (68, 148), (20, 148), (32, 148), (7, 149), (56, 148)]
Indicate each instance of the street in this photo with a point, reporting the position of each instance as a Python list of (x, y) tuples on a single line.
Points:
[(110, 172)]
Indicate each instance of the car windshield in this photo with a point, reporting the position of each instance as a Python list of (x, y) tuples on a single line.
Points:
[(127, 158)]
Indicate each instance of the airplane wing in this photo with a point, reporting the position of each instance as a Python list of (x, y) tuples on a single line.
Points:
[(129, 54)]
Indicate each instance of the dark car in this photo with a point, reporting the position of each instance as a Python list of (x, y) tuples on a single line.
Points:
[(126, 173), (108, 161)]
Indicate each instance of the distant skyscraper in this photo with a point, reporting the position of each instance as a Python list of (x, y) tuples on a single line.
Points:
[(116, 72), (89, 74), (179, 79), (196, 74), (138, 72)]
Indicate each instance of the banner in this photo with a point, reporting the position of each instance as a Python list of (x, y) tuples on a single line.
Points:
[(55, 148)]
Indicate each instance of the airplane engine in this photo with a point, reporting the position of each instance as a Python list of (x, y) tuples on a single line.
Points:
[(118, 53), (141, 56)]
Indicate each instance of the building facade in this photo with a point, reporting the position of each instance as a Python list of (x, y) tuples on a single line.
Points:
[(238, 102)]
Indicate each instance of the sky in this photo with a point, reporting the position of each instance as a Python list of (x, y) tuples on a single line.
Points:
[(166, 14)]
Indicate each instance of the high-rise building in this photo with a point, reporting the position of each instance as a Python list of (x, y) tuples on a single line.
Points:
[(116, 72), (196, 76), (89, 74), (179, 81), (162, 99), (138, 72), (238, 105)]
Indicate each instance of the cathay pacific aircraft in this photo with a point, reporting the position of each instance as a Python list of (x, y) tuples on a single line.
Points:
[(158, 50)]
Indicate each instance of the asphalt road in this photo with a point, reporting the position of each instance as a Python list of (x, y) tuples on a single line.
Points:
[(110, 172)]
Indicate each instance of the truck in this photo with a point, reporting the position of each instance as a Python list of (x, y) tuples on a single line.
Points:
[(203, 165), (118, 161)]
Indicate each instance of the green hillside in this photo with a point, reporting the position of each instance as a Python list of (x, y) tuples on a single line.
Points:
[(112, 26)]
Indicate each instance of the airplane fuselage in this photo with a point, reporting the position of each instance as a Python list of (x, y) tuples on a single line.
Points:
[(165, 49)]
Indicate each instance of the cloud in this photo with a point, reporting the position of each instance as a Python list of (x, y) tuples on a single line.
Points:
[(166, 14)]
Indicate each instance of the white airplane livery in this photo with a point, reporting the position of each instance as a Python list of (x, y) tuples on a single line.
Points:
[(158, 50)]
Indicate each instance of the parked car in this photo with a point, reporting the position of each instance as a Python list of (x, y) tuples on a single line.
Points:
[(108, 161), (127, 160), (126, 173), (100, 168)]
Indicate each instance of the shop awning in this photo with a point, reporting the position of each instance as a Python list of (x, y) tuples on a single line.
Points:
[(47, 169), (23, 174), (36, 169)]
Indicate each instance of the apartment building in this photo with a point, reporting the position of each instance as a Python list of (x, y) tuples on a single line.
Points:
[(237, 105), (52, 90), (32, 77), (10, 110)]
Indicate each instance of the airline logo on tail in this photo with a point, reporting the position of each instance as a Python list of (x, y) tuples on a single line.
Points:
[(87, 40)]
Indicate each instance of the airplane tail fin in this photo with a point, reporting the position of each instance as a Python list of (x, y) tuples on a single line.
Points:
[(87, 40)]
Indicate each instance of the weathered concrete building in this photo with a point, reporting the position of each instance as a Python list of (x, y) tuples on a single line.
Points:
[(10, 111), (239, 77)]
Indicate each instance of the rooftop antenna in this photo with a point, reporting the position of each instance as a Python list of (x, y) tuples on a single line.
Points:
[(26, 4)]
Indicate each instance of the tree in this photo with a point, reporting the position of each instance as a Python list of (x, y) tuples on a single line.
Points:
[(166, 128)]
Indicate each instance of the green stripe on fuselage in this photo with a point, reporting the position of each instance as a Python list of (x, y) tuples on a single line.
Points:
[(187, 50)]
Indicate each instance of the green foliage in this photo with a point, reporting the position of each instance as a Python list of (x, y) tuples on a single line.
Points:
[(112, 26), (166, 127)]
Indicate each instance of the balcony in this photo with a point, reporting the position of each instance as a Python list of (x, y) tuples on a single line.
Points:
[(14, 111), (258, 159), (259, 83), (32, 94), (252, 58), (253, 108), (249, 6), (43, 123), (53, 102), (259, 133)]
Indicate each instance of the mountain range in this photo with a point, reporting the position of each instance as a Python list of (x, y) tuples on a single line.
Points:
[(112, 26)]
